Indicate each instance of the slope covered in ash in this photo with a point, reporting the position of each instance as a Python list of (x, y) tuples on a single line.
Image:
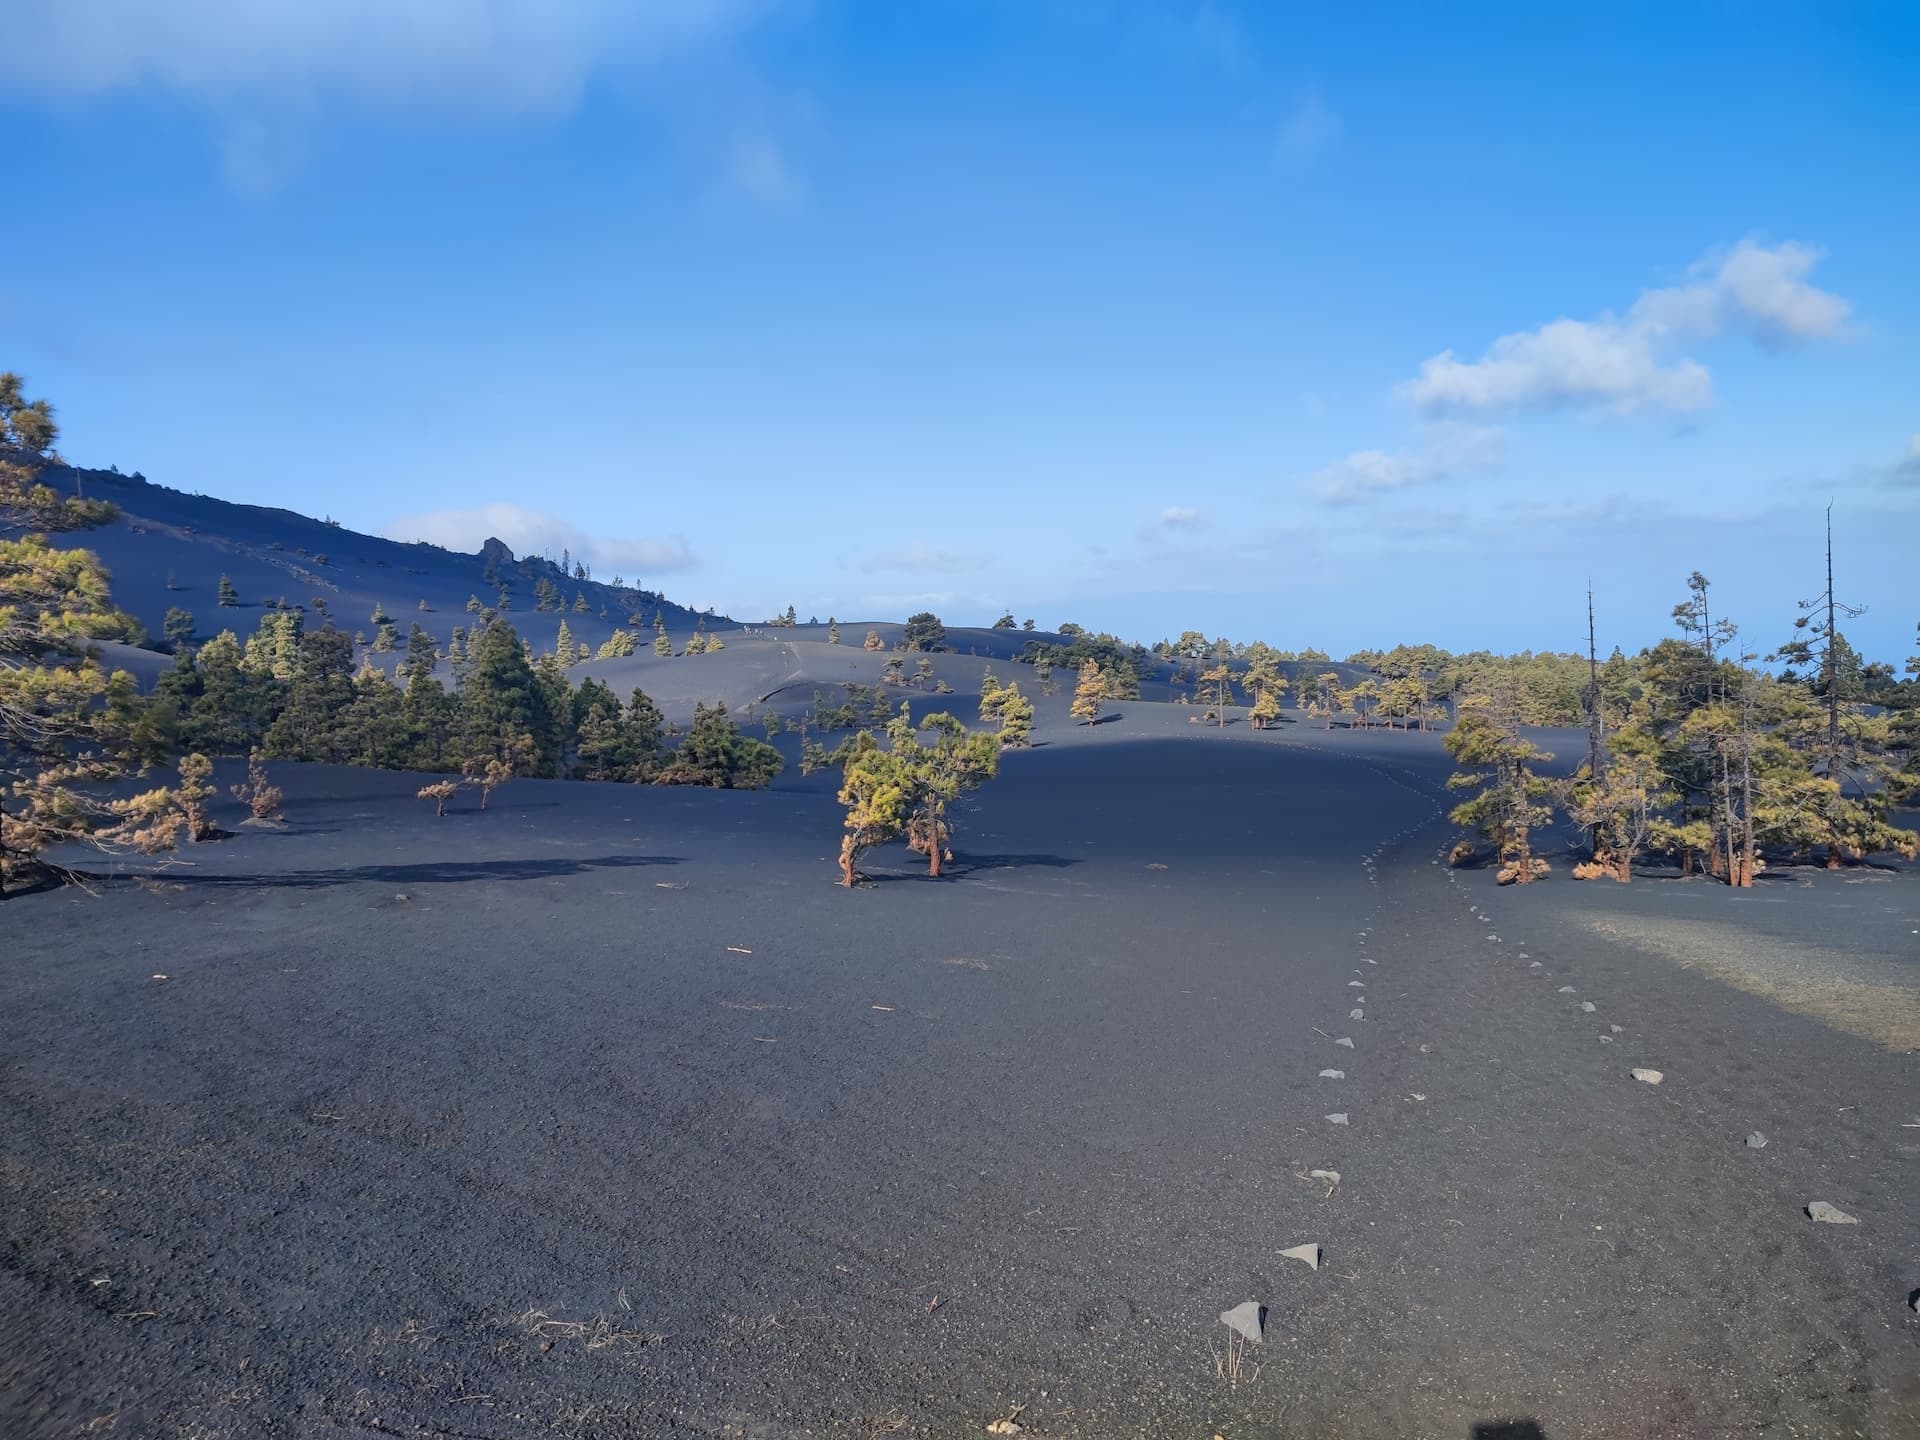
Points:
[(169, 549)]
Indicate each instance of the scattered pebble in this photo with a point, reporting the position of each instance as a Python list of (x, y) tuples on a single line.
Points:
[(1756, 1141), (1606, 1039), (1333, 1074), (400, 897), (1356, 984), (1332, 1177), (1588, 1006), (1829, 1214), (1564, 990), (1248, 1318), (1308, 1254), (1339, 1119), (1618, 1029), (1346, 1041), (159, 977), (1533, 965), (1356, 1014), (1651, 1077), (738, 950)]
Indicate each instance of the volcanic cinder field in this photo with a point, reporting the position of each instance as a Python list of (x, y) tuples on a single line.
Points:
[(606, 1112)]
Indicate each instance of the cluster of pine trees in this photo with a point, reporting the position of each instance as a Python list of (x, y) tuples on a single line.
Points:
[(1699, 756), (298, 694)]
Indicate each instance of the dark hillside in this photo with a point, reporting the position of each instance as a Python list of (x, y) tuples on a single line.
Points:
[(170, 548)]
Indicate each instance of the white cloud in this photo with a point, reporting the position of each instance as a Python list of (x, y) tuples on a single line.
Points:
[(1620, 365), (1751, 287), (500, 55), (1180, 517), (917, 556), (1310, 130), (1442, 451), (534, 532), (1598, 364)]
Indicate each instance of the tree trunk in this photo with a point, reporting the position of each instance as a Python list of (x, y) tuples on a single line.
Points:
[(847, 855), (933, 859), (1623, 867)]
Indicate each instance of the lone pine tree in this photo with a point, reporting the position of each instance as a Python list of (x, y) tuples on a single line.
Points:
[(1088, 694)]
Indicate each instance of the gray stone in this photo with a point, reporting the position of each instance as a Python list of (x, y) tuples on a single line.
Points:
[(1829, 1214), (1565, 990), (1339, 1119), (1333, 1074), (1308, 1255), (1650, 1077), (1588, 1006), (1756, 1141), (1345, 1041), (1356, 1014), (1249, 1318)]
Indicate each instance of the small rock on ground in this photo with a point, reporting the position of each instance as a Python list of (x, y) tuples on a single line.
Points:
[(1333, 1074), (1308, 1254), (1650, 1077), (1756, 1141), (1829, 1214), (1339, 1119), (1247, 1318)]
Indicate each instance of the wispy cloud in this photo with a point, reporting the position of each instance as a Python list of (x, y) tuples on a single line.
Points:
[(1175, 520), (759, 173), (535, 532), (1307, 133), (918, 557), (271, 71), (505, 54), (1441, 451), (1623, 364)]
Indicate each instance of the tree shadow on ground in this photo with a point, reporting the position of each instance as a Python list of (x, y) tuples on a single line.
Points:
[(968, 864), (436, 872), (1507, 1430), (963, 865)]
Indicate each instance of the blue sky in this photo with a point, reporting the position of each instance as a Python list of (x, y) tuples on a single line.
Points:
[(1324, 325)]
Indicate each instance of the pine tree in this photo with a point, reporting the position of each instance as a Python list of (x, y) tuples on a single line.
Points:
[(833, 631), (644, 736), (1216, 690), (178, 626), (924, 632), (873, 641), (503, 705), (563, 644), (192, 794), (260, 795), (991, 695), (580, 606), (229, 597), (439, 791), (662, 645), (716, 754), (1509, 804), (1088, 694), (313, 725), (1016, 719)]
